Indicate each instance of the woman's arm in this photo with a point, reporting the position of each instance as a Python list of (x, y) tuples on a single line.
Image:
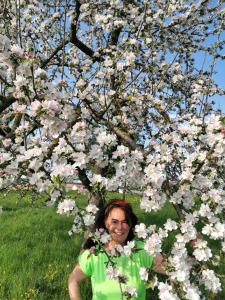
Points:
[(73, 283), (159, 265)]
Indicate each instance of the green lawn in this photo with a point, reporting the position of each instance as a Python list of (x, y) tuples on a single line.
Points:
[(36, 252)]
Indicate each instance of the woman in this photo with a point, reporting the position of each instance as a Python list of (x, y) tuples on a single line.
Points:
[(119, 221)]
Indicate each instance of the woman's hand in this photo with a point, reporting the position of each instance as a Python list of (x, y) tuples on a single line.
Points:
[(159, 265), (73, 283)]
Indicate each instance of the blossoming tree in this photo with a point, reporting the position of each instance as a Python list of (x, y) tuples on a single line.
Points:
[(115, 92)]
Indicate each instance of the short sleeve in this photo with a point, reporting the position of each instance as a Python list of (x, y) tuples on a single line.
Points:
[(146, 260), (85, 262)]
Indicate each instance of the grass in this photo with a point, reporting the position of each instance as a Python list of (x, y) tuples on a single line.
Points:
[(36, 252)]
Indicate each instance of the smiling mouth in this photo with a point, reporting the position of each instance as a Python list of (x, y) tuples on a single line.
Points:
[(119, 233)]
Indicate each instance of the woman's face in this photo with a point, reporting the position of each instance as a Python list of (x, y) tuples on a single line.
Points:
[(117, 225)]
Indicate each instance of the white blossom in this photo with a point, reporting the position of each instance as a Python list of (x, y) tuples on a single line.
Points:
[(112, 273), (131, 291), (202, 252), (170, 225), (16, 49), (67, 206), (143, 274), (128, 248), (193, 294), (153, 244), (210, 281), (165, 292), (92, 208), (89, 219), (141, 230)]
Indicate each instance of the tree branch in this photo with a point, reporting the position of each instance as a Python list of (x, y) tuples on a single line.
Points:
[(5, 102), (5, 81), (123, 135), (57, 49), (85, 49), (74, 40)]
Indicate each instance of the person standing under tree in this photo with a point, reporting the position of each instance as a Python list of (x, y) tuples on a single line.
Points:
[(118, 219)]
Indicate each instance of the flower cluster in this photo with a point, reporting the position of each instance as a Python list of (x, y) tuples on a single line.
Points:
[(114, 274), (68, 206)]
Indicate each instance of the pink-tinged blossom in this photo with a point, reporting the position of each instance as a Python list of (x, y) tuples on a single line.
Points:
[(30, 153), (112, 273), (153, 244), (5, 157), (35, 164), (34, 107), (66, 207), (21, 108), (17, 50), (52, 106), (131, 292), (217, 195)]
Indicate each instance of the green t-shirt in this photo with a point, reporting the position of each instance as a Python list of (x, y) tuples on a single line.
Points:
[(104, 288)]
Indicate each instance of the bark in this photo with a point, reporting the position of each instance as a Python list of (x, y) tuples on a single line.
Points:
[(5, 102)]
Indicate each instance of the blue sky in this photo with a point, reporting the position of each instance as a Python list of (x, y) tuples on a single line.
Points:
[(220, 79), (219, 75), (219, 69)]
